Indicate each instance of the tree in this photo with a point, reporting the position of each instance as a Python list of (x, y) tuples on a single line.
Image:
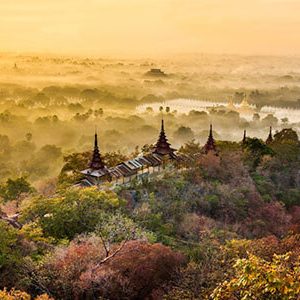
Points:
[(38, 165), (257, 278), (14, 295), (82, 270), (75, 107), (28, 136), (147, 149), (8, 238), (72, 212), (117, 228), (98, 112), (81, 117), (264, 247), (60, 100), (90, 94), (198, 114), (41, 98), (113, 158), (275, 219), (184, 134), (190, 148), (19, 295), (23, 149), (256, 117), (149, 110), (14, 188), (285, 121), (286, 135), (255, 150), (269, 120), (74, 163), (10, 255), (49, 153)]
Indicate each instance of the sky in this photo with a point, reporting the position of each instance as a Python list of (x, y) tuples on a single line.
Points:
[(150, 27)]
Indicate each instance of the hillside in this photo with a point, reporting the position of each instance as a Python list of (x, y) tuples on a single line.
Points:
[(209, 226)]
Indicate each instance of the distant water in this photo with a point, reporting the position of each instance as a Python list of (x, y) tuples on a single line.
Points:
[(186, 105)]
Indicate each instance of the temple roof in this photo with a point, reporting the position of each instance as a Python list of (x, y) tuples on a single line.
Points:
[(130, 167), (162, 146), (96, 162), (210, 144), (270, 137), (245, 107)]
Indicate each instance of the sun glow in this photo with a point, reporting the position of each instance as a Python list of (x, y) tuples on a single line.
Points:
[(118, 27)]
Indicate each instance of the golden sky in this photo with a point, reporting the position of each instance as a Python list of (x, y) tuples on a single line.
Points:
[(148, 27)]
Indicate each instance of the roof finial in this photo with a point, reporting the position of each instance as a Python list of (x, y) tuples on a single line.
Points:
[(245, 136), (96, 137), (210, 130), (162, 110), (270, 137)]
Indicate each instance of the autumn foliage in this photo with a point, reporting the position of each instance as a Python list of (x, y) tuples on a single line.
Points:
[(19, 295), (257, 278), (218, 227), (80, 271)]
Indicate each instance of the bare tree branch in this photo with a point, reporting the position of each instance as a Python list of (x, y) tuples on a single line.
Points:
[(113, 254)]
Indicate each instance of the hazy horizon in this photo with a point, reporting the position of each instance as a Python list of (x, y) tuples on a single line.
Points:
[(151, 27)]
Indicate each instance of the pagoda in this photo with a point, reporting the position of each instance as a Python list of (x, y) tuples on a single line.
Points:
[(245, 104), (244, 137), (162, 146), (245, 107), (96, 162), (269, 140), (210, 144), (97, 171)]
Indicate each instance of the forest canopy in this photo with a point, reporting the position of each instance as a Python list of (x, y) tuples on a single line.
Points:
[(217, 222)]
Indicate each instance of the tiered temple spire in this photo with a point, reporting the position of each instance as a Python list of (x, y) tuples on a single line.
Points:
[(98, 173), (270, 137), (162, 146), (210, 144), (96, 162), (244, 137)]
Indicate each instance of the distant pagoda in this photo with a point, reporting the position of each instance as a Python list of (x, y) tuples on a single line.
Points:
[(210, 145), (269, 140), (230, 105), (162, 146), (244, 137), (245, 107), (245, 104)]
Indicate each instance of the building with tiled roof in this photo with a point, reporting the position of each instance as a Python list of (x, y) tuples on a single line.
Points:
[(138, 167)]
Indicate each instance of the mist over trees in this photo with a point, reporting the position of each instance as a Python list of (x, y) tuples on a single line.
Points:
[(207, 227)]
